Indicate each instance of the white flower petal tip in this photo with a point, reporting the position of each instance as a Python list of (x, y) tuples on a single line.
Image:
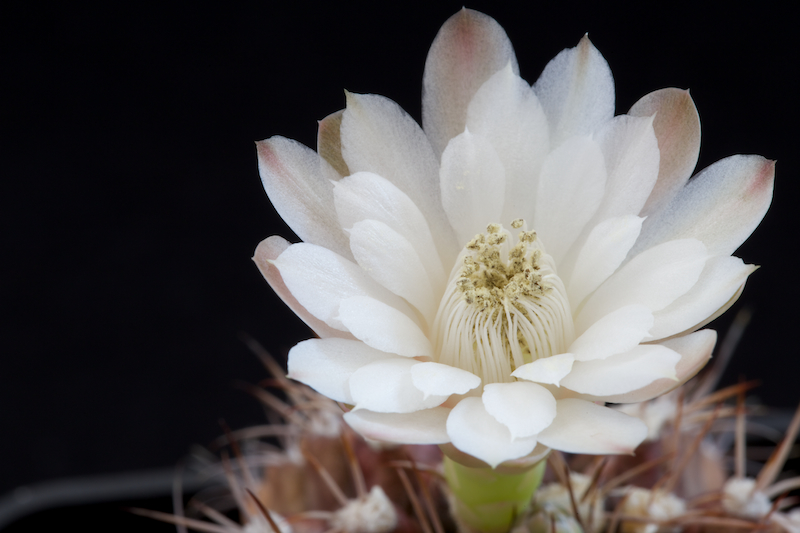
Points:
[(437, 379), (383, 327), (550, 370), (422, 427), (524, 408), (584, 427), (474, 431)]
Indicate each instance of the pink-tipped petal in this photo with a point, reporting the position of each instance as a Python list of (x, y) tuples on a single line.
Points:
[(576, 90), (584, 427), (468, 49), (677, 128), (301, 192), (422, 427), (721, 206), (267, 251), (326, 365), (695, 351)]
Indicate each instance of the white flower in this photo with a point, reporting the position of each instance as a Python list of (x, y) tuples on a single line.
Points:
[(595, 262)]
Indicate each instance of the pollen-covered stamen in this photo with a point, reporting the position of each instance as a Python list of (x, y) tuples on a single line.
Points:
[(504, 306)]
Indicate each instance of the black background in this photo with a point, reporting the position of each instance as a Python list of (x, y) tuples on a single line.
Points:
[(132, 203)]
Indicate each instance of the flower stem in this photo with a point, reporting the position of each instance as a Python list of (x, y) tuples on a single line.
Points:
[(488, 501)]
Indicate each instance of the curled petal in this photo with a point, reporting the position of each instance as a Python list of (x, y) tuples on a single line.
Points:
[(584, 427), (474, 431), (677, 128), (326, 365), (624, 372), (423, 427), (267, 251), (386, 386), (548, 370), (468, 49), (576, 90), (438, 379), (524, 408), (301, 192), (695, 351), (383, 327)]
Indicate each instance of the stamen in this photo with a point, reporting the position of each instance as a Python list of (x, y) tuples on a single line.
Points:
[(504, 306)]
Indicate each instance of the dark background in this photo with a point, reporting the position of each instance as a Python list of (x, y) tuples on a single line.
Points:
[(131, 202)]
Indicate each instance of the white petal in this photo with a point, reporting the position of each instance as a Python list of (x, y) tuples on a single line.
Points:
[(320, 279), (468, 49), (571, 186), (632, 160), (367, 196), (329, 142), (720, 281), (695, 351), (576, 90), (378, 136), (655, 279), (392, 261), (326, 365), (524, 408), (617, 332), (386, 386), (506, 112), (677, 128), (267, 251), (474, 431), (721, 206), (624, 372), (301, 192), (473, 185), (605, 250), (422, 427), (383, 327), (583, 427), (438, 379), (549, 370)]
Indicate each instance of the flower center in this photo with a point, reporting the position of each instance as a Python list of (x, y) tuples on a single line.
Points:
[(504, 306)]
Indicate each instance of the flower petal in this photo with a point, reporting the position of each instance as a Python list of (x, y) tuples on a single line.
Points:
[(423, 427), (383, 327), (385, 386), (721, 206), (473, 185), (320, 279), (392, 261), (623, 372), (576, 90), (301, 192), (474, 431), (571, 186), (617, 332), (326, 365), (584, 427), (329, 142), (468, 49), (505, 111), (655, 279), (267, 251), (631, 154), (720, 280), (378, 136), (438, 379), (677, 128), (549, 370), (367, 196), (525, 408), (695, 351), (604, 251)]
